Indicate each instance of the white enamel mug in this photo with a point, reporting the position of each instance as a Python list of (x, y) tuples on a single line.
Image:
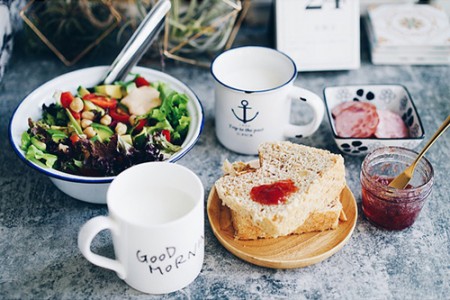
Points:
[(156, 218), (254, 88)]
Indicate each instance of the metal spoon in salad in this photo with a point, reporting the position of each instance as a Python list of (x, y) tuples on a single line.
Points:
[(139, 42)]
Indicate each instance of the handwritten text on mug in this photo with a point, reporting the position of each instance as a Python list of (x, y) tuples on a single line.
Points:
[(168, 260)]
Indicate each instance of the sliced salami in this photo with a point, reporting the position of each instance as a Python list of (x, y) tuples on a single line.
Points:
[(341, 107), (359, 120), (391, 125)]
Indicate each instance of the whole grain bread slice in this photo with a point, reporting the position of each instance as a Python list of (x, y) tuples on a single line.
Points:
[(318, 174), (319, 220)]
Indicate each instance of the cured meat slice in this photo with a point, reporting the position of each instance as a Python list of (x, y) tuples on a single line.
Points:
[(359, 120), (391, 125), (341, 107)]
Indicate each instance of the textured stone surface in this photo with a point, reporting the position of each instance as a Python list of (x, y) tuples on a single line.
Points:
[(39, 257)]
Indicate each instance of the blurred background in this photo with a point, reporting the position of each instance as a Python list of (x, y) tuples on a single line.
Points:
[(195, 31)]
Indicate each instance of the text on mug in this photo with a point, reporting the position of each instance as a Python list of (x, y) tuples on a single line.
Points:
[(169, 260), (245, 131)]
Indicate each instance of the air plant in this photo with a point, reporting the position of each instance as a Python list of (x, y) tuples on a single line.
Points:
[(66, 17), (201, 26), (133, 12), (70, 27)]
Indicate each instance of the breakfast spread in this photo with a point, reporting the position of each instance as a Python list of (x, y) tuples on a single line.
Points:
[(290, 208), (292, 189), (357, 119), (103, 130)]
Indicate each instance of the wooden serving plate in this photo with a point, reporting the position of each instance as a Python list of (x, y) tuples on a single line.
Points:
[(294, 251)]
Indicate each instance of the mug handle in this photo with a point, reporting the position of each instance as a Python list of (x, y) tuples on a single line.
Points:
[(316, 103), (87, 233)]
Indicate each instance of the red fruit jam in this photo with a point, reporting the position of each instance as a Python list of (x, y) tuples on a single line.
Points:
[(395, 214), (388, 207), (274, 193)]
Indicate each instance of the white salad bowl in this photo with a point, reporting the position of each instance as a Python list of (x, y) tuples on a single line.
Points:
[(92, 189), (392, 97)]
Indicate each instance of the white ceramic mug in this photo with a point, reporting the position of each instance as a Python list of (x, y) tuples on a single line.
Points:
[(156, 218), (254, 87)]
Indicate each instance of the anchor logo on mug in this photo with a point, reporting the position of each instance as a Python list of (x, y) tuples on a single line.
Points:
[(245, 107), (254, 88)]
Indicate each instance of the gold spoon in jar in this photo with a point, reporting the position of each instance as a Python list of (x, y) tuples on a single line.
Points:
[(402, 180)]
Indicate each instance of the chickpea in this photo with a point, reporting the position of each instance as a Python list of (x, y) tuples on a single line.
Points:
[(121, 128), (85, 123), (89, 132), (106, 120), (132, 120), (88, 115), (77, 105)]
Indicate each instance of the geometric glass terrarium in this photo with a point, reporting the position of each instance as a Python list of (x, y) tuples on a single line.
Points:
[(195, 31), (71, 28)]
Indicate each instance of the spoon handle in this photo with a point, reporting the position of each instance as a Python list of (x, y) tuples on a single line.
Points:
[(401, 181), (139, 42), (437, 134)]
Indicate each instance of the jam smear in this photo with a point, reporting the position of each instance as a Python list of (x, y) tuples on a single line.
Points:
[(274, 193)]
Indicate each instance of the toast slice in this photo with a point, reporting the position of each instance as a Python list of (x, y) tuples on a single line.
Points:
[(318, 175), (319, 220)]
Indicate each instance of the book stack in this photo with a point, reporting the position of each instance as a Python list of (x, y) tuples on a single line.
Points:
[(408, 34)]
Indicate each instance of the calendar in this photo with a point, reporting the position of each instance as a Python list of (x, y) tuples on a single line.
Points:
[(319, 34)]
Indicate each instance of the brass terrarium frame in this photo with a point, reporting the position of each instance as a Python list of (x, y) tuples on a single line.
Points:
[(114, 19), (237, 14)]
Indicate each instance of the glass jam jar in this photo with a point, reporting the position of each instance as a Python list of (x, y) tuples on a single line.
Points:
[(387, 207)]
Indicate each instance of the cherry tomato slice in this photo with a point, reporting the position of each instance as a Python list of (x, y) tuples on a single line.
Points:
[(141, 124), (101, 101), (119, 115), (166, 134), (89, 96), (74, 138), (66, 98), (76, 115), (141, 81)]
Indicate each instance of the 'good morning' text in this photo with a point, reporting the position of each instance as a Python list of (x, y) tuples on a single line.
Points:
[(169, 259)]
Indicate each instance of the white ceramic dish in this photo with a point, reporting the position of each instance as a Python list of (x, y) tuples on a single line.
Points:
[(391, 97), (92, 189)]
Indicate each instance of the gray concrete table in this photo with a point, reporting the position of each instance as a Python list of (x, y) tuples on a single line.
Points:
[(39, 224)]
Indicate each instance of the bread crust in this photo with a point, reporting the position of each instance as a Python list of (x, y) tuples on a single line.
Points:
[(318, 174)]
